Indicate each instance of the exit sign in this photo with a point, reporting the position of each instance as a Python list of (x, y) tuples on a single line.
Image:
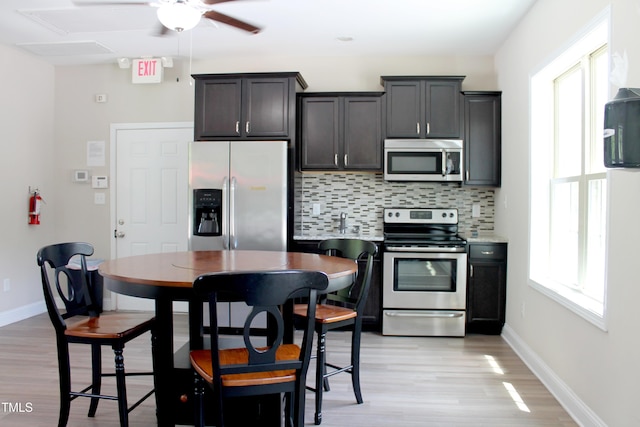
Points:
[(146, 70)]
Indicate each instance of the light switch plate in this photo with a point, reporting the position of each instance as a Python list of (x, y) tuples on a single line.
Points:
[(316, 208), (99, 182), (475, 210)]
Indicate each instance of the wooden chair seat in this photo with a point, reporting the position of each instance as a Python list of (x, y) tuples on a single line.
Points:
[(201, 362), (327, 313), (111, 326)]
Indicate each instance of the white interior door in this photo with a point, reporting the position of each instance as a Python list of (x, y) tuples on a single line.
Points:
[(150, 211)]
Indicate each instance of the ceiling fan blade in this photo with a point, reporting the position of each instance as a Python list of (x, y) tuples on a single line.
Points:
[(225, 19)]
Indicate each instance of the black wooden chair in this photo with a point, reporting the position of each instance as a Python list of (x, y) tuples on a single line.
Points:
[(342, 309), (81, 322), (250, 371)]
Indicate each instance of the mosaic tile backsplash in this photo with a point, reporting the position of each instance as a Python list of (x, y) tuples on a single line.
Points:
[(363, 196)]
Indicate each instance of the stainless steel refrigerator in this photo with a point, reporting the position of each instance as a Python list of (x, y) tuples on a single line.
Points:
[(238, 195), (237, 200)]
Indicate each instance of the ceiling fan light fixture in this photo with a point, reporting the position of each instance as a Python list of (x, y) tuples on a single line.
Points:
[(178, 16)]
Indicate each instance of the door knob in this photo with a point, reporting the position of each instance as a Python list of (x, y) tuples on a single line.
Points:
[(118, 234)]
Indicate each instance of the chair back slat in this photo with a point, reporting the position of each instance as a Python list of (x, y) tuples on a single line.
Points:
[(355, 295), (59, 282)]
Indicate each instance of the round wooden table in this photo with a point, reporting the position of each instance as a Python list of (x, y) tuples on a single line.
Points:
[(168, 277)]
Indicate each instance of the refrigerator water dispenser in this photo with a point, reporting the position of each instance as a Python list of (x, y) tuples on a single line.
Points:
[(207, 210)]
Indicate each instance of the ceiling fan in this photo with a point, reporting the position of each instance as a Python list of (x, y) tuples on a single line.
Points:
[(181, 15)]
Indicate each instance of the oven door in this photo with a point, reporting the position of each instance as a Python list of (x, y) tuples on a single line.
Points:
[(425, 280)]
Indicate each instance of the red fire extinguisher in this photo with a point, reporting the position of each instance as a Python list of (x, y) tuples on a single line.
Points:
[(35, 201)]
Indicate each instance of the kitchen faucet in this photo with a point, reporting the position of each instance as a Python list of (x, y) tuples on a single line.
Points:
[(343, 222)]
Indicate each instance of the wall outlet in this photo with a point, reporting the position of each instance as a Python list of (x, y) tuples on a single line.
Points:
[(475, 210), (6, 286), (99, 198), (316, 208)]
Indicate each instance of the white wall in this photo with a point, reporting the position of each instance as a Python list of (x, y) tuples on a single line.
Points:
[(80, 119), (599, 368), (27, 158)]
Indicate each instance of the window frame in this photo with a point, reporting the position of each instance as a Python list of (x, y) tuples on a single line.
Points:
[(579, 55)]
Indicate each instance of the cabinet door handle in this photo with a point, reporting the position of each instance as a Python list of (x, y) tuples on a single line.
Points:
[(418, 128), (471, 271), (346, 159), (246, 127), (335, 159), (238, 128), (428, 128)]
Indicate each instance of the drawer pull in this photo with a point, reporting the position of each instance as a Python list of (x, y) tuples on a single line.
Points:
[(486, 252), (424, 314)]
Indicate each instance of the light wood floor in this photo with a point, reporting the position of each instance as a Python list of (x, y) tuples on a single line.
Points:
[(475, 381)]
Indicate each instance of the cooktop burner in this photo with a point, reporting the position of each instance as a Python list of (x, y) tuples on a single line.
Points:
[(421, 227)]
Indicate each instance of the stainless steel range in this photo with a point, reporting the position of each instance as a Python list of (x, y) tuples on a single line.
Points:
[(424, 287)]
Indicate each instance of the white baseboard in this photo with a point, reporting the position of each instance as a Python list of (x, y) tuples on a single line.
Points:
[(21, 313), (17, 314), (577, 409)]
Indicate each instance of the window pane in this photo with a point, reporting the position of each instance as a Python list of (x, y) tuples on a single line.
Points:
[(569, 124), (600, 90), (596, 216), (563, 254)]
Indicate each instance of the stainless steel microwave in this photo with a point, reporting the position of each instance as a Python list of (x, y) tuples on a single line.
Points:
[(423, 160)]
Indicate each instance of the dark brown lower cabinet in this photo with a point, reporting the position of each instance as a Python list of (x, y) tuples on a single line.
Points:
[(486, 287)]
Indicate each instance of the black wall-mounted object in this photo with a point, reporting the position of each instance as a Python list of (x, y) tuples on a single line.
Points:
[(622, 130)]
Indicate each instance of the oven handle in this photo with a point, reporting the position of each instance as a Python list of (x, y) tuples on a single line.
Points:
[(424, 249), (422, 314)]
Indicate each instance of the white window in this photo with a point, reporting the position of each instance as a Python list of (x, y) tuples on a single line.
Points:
[(568, 179)]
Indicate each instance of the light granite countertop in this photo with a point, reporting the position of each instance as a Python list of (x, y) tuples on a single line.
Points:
[(328, 235), (483, 238), (469, 237)]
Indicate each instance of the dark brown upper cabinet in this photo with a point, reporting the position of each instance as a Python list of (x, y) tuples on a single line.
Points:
[(423, 106), (483, 138), (340, 131), (245, 106)]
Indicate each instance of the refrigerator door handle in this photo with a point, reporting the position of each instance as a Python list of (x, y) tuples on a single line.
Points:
[(232, 223), (225, 209)]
